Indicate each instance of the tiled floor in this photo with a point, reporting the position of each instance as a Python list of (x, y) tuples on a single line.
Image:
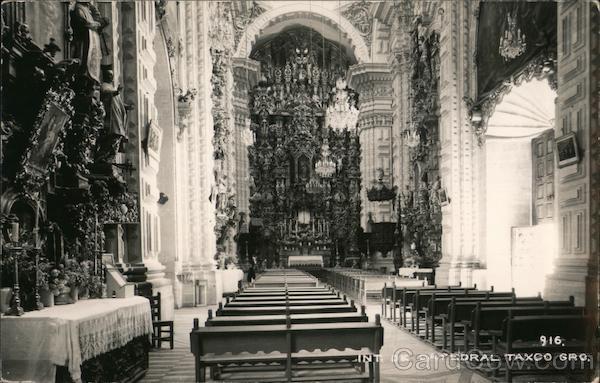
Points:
[(178, 365)]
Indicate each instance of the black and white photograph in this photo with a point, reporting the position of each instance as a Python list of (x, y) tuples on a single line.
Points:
[(385, 191)]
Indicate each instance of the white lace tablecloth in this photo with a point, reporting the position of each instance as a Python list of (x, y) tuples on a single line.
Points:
[(33, 344)]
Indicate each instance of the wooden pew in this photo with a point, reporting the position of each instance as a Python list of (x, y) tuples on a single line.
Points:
[(418, 308), (242, 298), (278, 310), (286, 345), (408, 296), (461, 313), (393, 297), (521, 334), (306, 302), (281, 319), (487, 321), (438, 307)]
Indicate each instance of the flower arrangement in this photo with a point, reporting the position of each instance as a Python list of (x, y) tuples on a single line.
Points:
[(58, 281), (76, 275), (95, 286)]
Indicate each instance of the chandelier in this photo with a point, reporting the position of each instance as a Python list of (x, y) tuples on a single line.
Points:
[(412, 138), (325, 167), (314, 186), (512, 42), (342, 113)]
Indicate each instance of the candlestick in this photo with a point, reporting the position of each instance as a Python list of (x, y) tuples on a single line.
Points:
[(38, 302), (15, 306)]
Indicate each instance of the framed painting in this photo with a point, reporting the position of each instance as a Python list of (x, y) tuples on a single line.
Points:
[(567, 151), (153, 138), (52, 122)]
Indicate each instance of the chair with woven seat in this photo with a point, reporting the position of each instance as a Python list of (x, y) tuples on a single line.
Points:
[(161, 330)]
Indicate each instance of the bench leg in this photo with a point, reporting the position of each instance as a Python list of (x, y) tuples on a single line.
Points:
[(200, 372), (375, 368), (172, 334), (445, 336), (432, 330)]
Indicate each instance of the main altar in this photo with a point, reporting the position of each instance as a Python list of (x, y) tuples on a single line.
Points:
[(305, 156)]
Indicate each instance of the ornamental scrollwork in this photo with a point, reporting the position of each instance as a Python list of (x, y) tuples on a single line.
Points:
[(541, 67), (242, 20), (359, 15)]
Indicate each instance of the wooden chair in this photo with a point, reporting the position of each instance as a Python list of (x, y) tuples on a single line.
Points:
[(160, 328)]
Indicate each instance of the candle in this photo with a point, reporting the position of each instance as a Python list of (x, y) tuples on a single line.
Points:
[(96, 244), (14, 229), (36, 234)]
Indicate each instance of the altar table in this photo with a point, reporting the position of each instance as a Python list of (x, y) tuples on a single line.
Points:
[(67, 335)]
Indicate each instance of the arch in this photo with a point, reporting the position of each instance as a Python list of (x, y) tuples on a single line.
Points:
[(298, 11), (517, 114)]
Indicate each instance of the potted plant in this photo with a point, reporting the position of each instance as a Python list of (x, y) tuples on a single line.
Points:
[(46, 296), (95, 286), (75, 276), (84, 289), (58, 286)]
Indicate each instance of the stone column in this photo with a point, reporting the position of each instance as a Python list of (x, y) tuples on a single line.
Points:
[(458, 146), (197, 215), (373, 82), (138, 29)]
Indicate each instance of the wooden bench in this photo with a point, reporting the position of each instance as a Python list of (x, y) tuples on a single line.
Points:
[(438, 307), (306, 302), (418, 307), (243, 298), (486, 321), (286, 346), (460, 316), (278, 310), (521, 334), (281, 319), (392, 297), (408, 296)]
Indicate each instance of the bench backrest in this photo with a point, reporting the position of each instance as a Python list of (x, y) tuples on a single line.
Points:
[(421, 298), (437, 305), (278, 310), (311, 302), (492, 318), (219, 340), (281, 319), (531, 328)]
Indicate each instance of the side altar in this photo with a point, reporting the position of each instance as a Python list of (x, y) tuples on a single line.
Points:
[(91, 340)]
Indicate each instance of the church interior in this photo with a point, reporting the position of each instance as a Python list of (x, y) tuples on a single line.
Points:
[(300, 191)]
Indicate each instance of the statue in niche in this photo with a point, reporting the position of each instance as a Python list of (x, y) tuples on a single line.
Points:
[(115, 120), (303, 169), (88, 44), (221, 192)]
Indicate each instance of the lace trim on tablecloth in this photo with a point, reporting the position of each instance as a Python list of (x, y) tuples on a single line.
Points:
[(100, 335), (106, 333)]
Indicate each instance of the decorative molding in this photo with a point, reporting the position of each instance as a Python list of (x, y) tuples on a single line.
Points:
[(298, 10), (542, 67), (241, 19), (358, 13)]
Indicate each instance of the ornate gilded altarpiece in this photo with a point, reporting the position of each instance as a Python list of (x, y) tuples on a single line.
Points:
[(293, 210)]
